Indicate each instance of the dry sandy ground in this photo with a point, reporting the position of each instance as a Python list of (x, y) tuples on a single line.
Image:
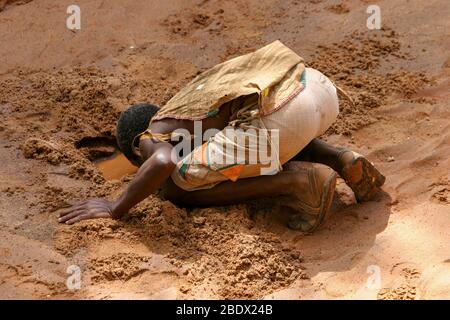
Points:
[(61, 93)]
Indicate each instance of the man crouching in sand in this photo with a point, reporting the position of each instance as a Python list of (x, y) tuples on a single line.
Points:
[(268, 95)]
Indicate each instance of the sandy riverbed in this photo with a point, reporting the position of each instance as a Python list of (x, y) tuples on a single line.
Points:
[(61, 93)]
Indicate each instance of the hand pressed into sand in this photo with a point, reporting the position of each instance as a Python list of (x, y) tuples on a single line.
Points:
[(88, 209)]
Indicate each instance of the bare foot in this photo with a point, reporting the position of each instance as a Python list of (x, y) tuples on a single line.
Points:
[(360, 175), (313, 196)]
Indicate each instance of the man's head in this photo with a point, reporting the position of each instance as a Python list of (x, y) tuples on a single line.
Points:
[(131, 122)]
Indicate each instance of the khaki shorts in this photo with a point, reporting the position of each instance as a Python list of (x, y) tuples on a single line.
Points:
[(289, 129)]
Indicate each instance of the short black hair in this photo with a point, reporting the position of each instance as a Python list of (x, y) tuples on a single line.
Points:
[(132, 122)]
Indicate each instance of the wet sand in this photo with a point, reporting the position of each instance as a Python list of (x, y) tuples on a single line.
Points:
[(115, 167), (61, 93)]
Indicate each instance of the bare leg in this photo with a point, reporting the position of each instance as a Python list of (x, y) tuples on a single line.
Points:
[(285, 183), (319, 151)]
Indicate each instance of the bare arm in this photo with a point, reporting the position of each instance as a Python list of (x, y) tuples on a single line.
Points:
[(150, 176)]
